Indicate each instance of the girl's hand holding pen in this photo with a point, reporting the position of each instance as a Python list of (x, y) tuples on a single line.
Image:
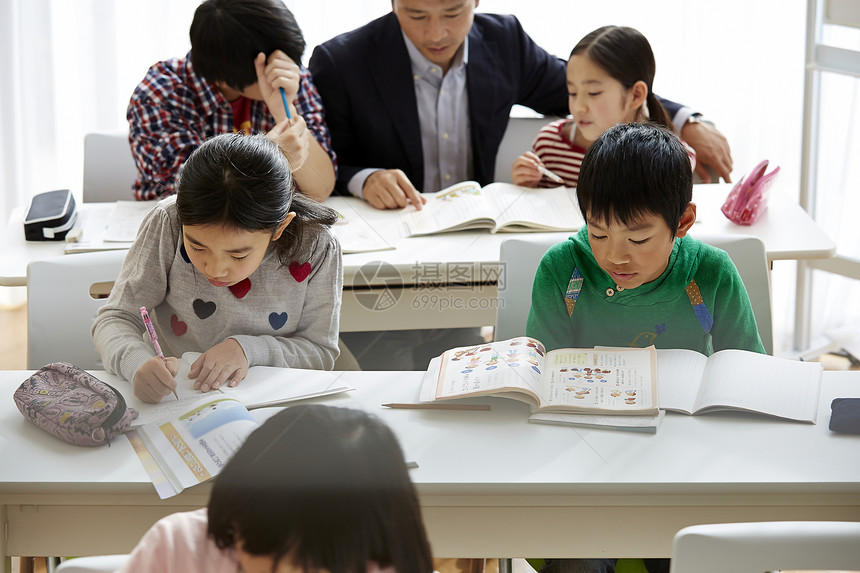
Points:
[(525, 171), (223, 363), (155, 379)]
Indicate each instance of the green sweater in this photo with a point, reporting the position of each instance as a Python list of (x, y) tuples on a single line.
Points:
[(659, 312)]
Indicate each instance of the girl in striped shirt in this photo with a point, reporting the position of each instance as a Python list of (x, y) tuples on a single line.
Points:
[(609, 77)]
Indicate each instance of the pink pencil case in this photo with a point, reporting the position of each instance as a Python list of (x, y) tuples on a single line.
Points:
[(748, 198)]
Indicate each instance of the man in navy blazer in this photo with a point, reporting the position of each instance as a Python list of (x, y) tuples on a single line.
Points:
[(368, 88)]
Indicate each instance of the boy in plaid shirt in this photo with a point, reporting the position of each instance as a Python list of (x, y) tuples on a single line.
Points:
[(243, 53)]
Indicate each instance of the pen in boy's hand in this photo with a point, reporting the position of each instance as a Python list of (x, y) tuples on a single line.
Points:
[(286, 105), (550, 174), (152, 336)]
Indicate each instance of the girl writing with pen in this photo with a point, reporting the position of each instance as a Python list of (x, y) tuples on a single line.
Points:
[(237, 266), (609, 77)]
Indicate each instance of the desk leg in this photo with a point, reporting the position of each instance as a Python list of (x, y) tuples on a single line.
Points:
[(802, 309), (4, 535), (505, 565)]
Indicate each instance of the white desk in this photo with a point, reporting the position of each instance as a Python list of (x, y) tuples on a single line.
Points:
[(450, 280), (441, 261), (490, 483)]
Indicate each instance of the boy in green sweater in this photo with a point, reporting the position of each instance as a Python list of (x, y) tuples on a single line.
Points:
[(632, 276)]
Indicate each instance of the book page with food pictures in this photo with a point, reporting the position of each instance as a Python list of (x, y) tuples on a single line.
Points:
[(512, 365), (622, 380)]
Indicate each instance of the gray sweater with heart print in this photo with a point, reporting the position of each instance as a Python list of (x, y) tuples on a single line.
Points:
[(289, 317)]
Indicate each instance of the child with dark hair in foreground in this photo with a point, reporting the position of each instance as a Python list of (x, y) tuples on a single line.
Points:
[(315, 489)]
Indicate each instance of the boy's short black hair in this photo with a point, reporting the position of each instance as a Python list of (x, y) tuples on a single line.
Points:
[(324, 487), (226, 36), (634, 169)]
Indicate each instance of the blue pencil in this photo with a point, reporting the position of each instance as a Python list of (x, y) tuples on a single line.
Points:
[(286, 105)]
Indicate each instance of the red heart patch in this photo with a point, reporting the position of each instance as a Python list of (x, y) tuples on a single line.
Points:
[(241, 288), (179, 327), (300, 271)]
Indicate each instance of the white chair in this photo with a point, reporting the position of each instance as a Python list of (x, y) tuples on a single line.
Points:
[(520, 258), (767, 546), (109, 169), (60, 309), (93, 564), (523, 125)]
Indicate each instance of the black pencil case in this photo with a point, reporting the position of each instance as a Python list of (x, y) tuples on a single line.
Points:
[(50, 216)]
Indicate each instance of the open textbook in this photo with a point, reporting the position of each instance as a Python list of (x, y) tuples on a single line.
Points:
[(101, 230), (499, 207), (185, 441), (613, 386), (610, 381), (263, 386), (193, 445), (692, 383)]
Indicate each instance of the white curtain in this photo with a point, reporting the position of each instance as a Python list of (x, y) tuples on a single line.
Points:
[(68, 68)]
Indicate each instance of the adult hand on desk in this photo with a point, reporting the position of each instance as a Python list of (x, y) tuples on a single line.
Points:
[(155, 379), (390, 189), (224, 362), (712, 150)]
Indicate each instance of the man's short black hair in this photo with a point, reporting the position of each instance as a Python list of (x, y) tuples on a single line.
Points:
[(632, 170), (226, 36)]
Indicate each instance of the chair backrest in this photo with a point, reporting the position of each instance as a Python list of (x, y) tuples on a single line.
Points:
[(60, 309), (767, 546), (109, 169), (519, 135), (520, 258), (93, 564), (749, 256)]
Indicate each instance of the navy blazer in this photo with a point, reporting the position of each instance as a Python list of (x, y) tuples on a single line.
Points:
[(365, 80)]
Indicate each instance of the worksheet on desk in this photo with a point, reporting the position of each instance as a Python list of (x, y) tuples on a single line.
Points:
[(263, 386), (125, 220)]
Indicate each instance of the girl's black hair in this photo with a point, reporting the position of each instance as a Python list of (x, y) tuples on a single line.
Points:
[(226, 36), (634, 169), (244, 181), (326, 487), (625, 54)]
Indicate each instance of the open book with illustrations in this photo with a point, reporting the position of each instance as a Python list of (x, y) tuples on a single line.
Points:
[(613, 385), (499, 207), (609, 381), (193, 445), (263, 386)]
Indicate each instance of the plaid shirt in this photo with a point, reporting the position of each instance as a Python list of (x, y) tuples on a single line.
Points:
[(173, 110)]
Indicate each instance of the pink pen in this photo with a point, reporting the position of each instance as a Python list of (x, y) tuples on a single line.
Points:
[(152, 336)]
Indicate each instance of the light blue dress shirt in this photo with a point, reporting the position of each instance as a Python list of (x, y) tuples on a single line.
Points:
[(443, 115)]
